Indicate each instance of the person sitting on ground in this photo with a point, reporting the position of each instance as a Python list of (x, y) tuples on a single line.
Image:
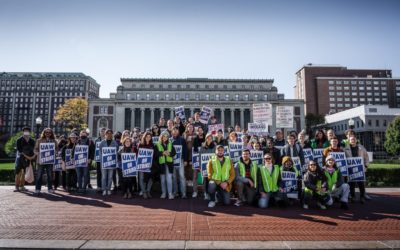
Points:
[(315, 186), (288, 189), (245, 172)]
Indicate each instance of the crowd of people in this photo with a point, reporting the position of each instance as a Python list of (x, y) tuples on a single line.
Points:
[(245, 181)]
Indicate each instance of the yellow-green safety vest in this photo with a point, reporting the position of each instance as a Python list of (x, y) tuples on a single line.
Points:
[(163, 159), (332, 179), (221, 173), (270, 181)]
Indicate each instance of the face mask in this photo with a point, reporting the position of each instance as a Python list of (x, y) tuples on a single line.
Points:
[(26, 134), (83, 137)]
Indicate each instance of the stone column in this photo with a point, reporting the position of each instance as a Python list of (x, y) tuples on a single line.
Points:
[(132, 118), (151, 116), (242, 118), (223, 116), (141, 119), (172, 113), (233, 117), (191, 112), (162, 112)]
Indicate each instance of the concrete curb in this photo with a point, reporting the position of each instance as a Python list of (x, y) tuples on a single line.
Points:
[(105, 244)]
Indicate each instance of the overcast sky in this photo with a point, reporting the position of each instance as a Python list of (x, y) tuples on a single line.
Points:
[(216, 39)]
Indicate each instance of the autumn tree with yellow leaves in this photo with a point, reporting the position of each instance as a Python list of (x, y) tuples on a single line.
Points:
[(73, 114)]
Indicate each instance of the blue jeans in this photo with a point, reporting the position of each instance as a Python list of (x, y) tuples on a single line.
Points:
[(166, 181), (145, 183), (182, 181), (213, 188), (106, 178), (83, 177), (49, 172)]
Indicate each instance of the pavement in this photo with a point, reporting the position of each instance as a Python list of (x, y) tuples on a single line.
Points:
[(91, 221)]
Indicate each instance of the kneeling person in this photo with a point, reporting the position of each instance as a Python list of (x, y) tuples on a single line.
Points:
[(267, 181), (337, 188), (288, 182), (245, 172), (220, 174), (315, 185)]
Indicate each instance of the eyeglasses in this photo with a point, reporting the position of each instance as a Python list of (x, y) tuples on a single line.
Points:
[(267, 158), (313, 164)]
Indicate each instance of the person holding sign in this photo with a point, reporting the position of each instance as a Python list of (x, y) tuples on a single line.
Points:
[(315, 185), (179, 167), (207, 147), (337, 188), (292, 149), (127, 181), (67, 156), (245, 172), (108, 164), (102, 136), (82, 170), (334, 147), (164, 155), (146, 178), (267, 181), (45, 150), (289, 181), (220, 174), (357, 150)]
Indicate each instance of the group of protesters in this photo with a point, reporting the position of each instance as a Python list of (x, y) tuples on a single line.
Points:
[(273, 179)]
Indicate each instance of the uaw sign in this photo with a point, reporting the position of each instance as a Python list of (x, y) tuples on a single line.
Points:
[(109, 157), (259, 129), (340, 160), (235, 151), (81, 155), (180, 112), (128, 164), (47, 153), (355, 166), (145, 159)]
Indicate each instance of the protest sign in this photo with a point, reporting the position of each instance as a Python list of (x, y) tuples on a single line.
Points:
[(213, 129), (235, 151), (195, 160), (58, 164), (262, 112), (47, 153), (308, 156), (69, 161), (155, 139), (239, 136), (226, 151), (257, 155), (180, 112), (355, 167), (297, 163), (128, 164), (204, 158), (109, 157), (178, 156), (289, 181), (144, 159), (81, 155), (284, 116), (97, 152), (205, 114), (341, 163), (318, 155), (259, 129)]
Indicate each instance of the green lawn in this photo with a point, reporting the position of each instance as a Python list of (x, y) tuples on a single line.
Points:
[(7, 165)]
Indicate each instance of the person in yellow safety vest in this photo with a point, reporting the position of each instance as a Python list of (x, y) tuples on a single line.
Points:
[(287, 186), (315, 185), (245, 169), (164, 155), (267, 181), (337, 188), (220, 173)]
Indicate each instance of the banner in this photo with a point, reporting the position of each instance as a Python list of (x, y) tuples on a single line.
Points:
[(355, 166), (239, 136), (69, 162), (205, 114), (109, 157), (318, 155), (128, 164), (155, 139), (289, 181), (97, 152), (204, 158), (226, 151), (284, 116), (144, 159), (341, 163), (178, 156), (257, 155), (81, 155), (195, 160), (259, 129), (58, 164), (180, 111), (262, 112), (308, 155), (297, 163), (235, 151), (213, 129), (47, 153)]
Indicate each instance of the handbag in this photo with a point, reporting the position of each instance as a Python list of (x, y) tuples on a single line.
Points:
[(29, 174)]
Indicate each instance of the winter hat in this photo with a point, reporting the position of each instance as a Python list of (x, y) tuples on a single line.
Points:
[(285, 159), (328, 158)]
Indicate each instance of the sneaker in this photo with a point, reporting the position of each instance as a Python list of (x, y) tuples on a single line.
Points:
[(141, 193), (145, 196), (344, 205), (163, 196), (104, 192), (23, 189), (194, 195), (16, 189), (51, 191), (367, 197), (171, 196), (238, 203), (211, 204), (206, 196), (321, 206), (305, 206), (129, 196), (109, 192), (125, 196)]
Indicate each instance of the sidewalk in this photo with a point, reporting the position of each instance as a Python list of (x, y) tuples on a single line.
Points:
[(91, 221)]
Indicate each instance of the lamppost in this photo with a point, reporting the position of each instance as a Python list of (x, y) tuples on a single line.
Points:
[(351, 123), (88, 131), (38, 122)]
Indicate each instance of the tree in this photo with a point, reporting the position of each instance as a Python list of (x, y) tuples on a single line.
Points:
[(11, 145), (313, 120), (73, 114), (392, 143)]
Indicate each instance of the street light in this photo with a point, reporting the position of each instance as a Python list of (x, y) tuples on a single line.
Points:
[(351, 123), (38, 122)]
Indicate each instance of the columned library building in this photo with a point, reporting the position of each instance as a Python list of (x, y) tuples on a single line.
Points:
[(141, 102)]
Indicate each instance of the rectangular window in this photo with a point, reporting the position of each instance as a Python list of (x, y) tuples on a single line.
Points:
[(157, 97), (354, 93), (167, 97), (339, 99), (217, 97), (177, 97), (255, 97), (331, 93), (339, 93), (237, 97), (333, 87), (246, 97), (187, 96), (227, 97), (207, 96)]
